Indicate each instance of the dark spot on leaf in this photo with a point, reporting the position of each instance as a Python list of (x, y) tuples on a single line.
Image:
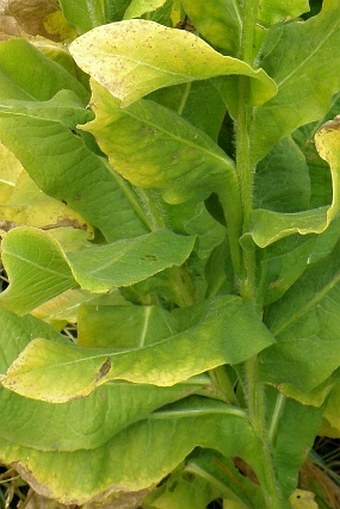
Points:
[(245, 469), (104, 369), (149, 257)]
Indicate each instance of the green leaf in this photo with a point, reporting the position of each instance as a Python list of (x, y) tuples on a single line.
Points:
[(137, 8), (173, 432), (69, 235), (269, 226), (282, 179), (316, 397), (36, 268), (190, 165), (63, 308), (10, 169), (321, 183), (292, 429), (282, 264), (105, 326), (218, 271), (276, 11), (157, 56), (58, 53), (296, 77), (84, 14), (226, 329), (117, 8), (97, 269), (210, 233), (57, 162), (219, 22), (24, 81), (186, 100), (182, 489), (84, 423), (285, 261), (237, 489), (306, 324), (129, 261), (17, 332)]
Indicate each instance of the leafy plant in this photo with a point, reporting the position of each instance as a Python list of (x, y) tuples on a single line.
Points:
[(180, 210)]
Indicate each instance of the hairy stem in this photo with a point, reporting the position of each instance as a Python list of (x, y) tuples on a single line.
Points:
[(231, 204), (254, 388)]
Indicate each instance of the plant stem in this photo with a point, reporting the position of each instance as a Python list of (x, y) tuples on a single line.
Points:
[(246, 176), (254, 389), (257, 416), (230, 201)]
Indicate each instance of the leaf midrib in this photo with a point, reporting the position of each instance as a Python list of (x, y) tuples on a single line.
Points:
[(175, 414)]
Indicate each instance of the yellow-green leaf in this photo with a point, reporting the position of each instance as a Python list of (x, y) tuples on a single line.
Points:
[(154, 56), (226, 330), (189, 166), (165, 438), (302, 499)]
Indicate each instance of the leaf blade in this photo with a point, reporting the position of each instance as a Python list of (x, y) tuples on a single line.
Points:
[(269, 226), (190, 165), (157, 56), (84, 423), (129, 261), (124, 469), (164, 364), (305, 321), (295, 77), (36, 267), (59, 161)]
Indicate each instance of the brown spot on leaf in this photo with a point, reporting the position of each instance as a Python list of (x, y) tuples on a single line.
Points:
[(104, 369), (245, 469)]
